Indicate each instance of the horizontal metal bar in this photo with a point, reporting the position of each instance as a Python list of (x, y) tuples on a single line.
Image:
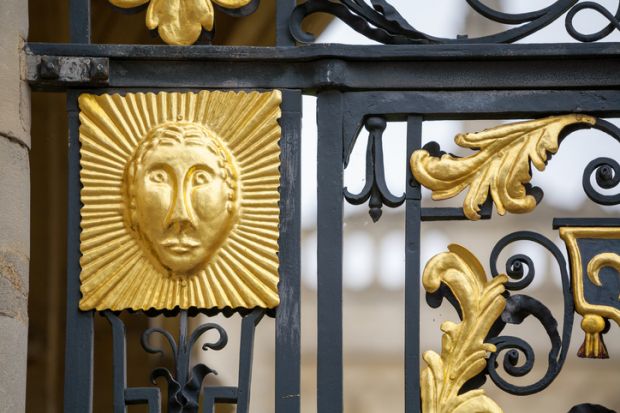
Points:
[(450, 214), (495, 104), (463, 105), (322, 51), (296, 68), (586, 222), (364, 75)]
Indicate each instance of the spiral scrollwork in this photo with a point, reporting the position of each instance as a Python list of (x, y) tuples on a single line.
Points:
[(614, 21), (518, 355), (380, 21), (606, 171)]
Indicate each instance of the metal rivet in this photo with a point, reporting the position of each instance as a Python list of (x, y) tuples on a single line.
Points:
[(98, 71), (49, 68)]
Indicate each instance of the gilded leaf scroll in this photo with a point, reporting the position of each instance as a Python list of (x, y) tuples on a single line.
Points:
[(501, 166), (180, 22), (180, 200), (463, 350)]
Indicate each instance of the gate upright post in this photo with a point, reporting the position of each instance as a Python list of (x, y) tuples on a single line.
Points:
[(329, 253)]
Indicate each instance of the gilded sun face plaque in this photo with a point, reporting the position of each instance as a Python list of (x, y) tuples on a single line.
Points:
[(180, 200)]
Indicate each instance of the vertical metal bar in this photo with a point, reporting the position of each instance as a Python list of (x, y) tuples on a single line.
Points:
[(79, 20), (329, 249), (119, 376), (246, 354), (284, 8), (412, 274), (80, 332), (288, 313)]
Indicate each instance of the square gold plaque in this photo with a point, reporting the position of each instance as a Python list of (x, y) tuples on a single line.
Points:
[(180, 200)]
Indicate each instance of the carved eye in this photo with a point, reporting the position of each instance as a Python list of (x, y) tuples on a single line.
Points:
[(158, 176), (201, 178)]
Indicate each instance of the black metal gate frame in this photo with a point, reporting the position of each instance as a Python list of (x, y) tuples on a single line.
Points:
[(395, 82)]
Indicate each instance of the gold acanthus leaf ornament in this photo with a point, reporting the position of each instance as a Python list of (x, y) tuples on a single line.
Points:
[(180, 22), (501, 166), (463, 350)]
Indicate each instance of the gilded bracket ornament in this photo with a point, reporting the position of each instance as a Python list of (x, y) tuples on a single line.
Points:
[(589, 250), (463, 350), (180, 22), (501, 167)]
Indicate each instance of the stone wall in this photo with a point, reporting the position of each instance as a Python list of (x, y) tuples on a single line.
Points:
[(14, 207)]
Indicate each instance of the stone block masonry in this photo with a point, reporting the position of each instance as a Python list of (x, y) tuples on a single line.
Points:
[(14, 207)]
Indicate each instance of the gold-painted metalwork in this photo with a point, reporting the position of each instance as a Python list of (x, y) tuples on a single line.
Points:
[(180, 200), (605, 259), (501, 166), (463, 350), (180, 22), (594, 315)]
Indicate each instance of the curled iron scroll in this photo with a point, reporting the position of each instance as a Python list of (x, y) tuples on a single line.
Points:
[(185, 383), (606, 171), (518, 307), (380, 21)]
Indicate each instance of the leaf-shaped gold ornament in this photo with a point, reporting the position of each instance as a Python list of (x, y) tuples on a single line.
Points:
[(463, 350), (180, 22), (501, 166)]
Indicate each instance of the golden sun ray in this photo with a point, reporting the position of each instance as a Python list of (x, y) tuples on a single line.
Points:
[(133, 258)]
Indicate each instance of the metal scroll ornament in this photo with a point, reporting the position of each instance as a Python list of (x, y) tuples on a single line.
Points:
[(595, 267), (380, 21), (463, 350), (501, 167), (375, 190), (180, 200), (180, 22)]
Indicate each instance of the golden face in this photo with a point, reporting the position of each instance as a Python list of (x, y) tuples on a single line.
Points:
[(182, 196), (180, 200)]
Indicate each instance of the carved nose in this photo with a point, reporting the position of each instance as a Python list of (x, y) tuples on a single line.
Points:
[(179, 213)]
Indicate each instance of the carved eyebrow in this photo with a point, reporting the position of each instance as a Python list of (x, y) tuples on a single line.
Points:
[(168, 140), (194, 140), (200, 141), (202, 167)]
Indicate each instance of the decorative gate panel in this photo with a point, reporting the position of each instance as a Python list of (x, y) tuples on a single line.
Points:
[(184, 195)]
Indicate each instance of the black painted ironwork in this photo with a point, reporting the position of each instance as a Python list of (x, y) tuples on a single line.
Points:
[(375, 189), (185, 384), (606, 295), (518, 307), (606, 170), (590, 408), (123, 395), (380, 21), (415, 77)]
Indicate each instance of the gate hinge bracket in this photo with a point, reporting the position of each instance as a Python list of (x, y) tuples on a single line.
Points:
[(66, 71)]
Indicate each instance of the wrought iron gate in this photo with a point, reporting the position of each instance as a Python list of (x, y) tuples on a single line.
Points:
[(242, 106)]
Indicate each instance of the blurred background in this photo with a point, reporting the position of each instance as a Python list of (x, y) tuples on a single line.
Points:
[(373, 302)]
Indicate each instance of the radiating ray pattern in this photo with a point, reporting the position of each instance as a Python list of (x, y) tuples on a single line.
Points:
[(116, 272)]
